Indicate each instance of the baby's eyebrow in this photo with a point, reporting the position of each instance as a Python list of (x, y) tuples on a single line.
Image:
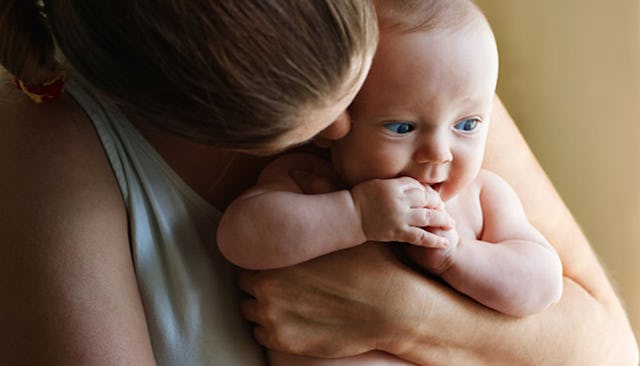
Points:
[(387, 116)]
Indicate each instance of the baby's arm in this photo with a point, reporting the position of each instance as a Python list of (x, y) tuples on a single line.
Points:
[(511, 267), (275, 224)]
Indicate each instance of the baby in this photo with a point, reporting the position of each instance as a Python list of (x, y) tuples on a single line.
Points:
[(412, 160)]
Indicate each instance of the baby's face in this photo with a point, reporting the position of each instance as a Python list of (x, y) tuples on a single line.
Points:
[(424, 109)]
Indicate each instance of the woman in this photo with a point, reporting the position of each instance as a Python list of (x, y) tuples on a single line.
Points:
[(94, 272)]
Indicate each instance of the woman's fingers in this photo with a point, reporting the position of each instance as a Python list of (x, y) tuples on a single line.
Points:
[(246, 281), (298, 309), (249, 310)]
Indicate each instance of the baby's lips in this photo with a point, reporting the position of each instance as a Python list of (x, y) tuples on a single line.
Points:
[(433, 186), (436, 186)]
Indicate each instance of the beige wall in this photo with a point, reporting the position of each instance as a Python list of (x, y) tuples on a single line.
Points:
[(570, 76)]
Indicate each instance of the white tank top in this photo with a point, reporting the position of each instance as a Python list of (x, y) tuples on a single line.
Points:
[(187, 287)]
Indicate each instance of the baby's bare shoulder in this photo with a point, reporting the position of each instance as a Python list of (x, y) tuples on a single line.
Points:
[(490, 182)]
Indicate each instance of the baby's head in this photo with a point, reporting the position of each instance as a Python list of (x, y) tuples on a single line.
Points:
[(424, 109)]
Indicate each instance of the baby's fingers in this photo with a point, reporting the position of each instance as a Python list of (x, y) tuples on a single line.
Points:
[(423, 198), (426, 217), (423, 238)]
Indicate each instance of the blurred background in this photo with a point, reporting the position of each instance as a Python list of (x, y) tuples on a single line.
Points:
[(570, 77)]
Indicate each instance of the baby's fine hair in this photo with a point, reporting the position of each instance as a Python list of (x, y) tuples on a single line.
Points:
[(426, 15), (231, 73)]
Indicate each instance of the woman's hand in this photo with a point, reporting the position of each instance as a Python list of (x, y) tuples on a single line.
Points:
[(338, 305)]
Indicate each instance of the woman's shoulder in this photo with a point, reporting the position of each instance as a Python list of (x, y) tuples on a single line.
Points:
[(64, 238), (20, 114), (51, 153)]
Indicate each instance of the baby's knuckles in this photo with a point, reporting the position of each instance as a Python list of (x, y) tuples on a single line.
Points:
[(379, 193), (383, 208)]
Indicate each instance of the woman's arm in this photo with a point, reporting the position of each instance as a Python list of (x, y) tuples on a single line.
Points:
[(68, 289), (363, 298)]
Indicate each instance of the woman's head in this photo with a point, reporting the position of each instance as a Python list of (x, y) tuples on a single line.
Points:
[(232, 73)]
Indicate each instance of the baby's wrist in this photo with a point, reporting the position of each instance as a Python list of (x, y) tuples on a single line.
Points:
[(356, 210), (448, 259)]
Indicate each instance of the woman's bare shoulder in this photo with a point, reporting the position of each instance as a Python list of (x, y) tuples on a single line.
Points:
[(53, 170), (63, 240), (51, 149)]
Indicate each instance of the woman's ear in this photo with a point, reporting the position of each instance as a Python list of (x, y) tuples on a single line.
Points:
[(335, 131), (322, 142)]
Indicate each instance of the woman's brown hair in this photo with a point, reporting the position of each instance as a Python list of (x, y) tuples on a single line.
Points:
[(232, 73), (26, 46)]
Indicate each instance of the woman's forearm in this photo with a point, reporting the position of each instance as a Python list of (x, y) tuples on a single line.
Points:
[(579, 330), (363, 299)]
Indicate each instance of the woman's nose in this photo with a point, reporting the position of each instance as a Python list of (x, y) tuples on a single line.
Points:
[(337, 130)]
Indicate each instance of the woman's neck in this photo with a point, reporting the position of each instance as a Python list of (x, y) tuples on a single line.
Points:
[(217, 175)]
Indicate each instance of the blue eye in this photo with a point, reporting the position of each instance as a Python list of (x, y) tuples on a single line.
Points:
[(399, 127), (467, 125)]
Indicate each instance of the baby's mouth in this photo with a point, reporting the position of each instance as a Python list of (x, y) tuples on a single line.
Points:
[(436, 186)]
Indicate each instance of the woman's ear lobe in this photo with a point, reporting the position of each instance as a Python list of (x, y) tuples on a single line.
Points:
[(322, 142), (335, 131)]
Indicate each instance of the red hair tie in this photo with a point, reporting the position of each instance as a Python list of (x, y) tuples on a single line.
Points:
[(45, 92)]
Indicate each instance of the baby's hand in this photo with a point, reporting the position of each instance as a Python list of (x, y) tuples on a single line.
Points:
[(400, 209), (436, 260)]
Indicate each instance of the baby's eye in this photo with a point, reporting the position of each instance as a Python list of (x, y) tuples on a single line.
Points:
[(467, 124), (399, 127)]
